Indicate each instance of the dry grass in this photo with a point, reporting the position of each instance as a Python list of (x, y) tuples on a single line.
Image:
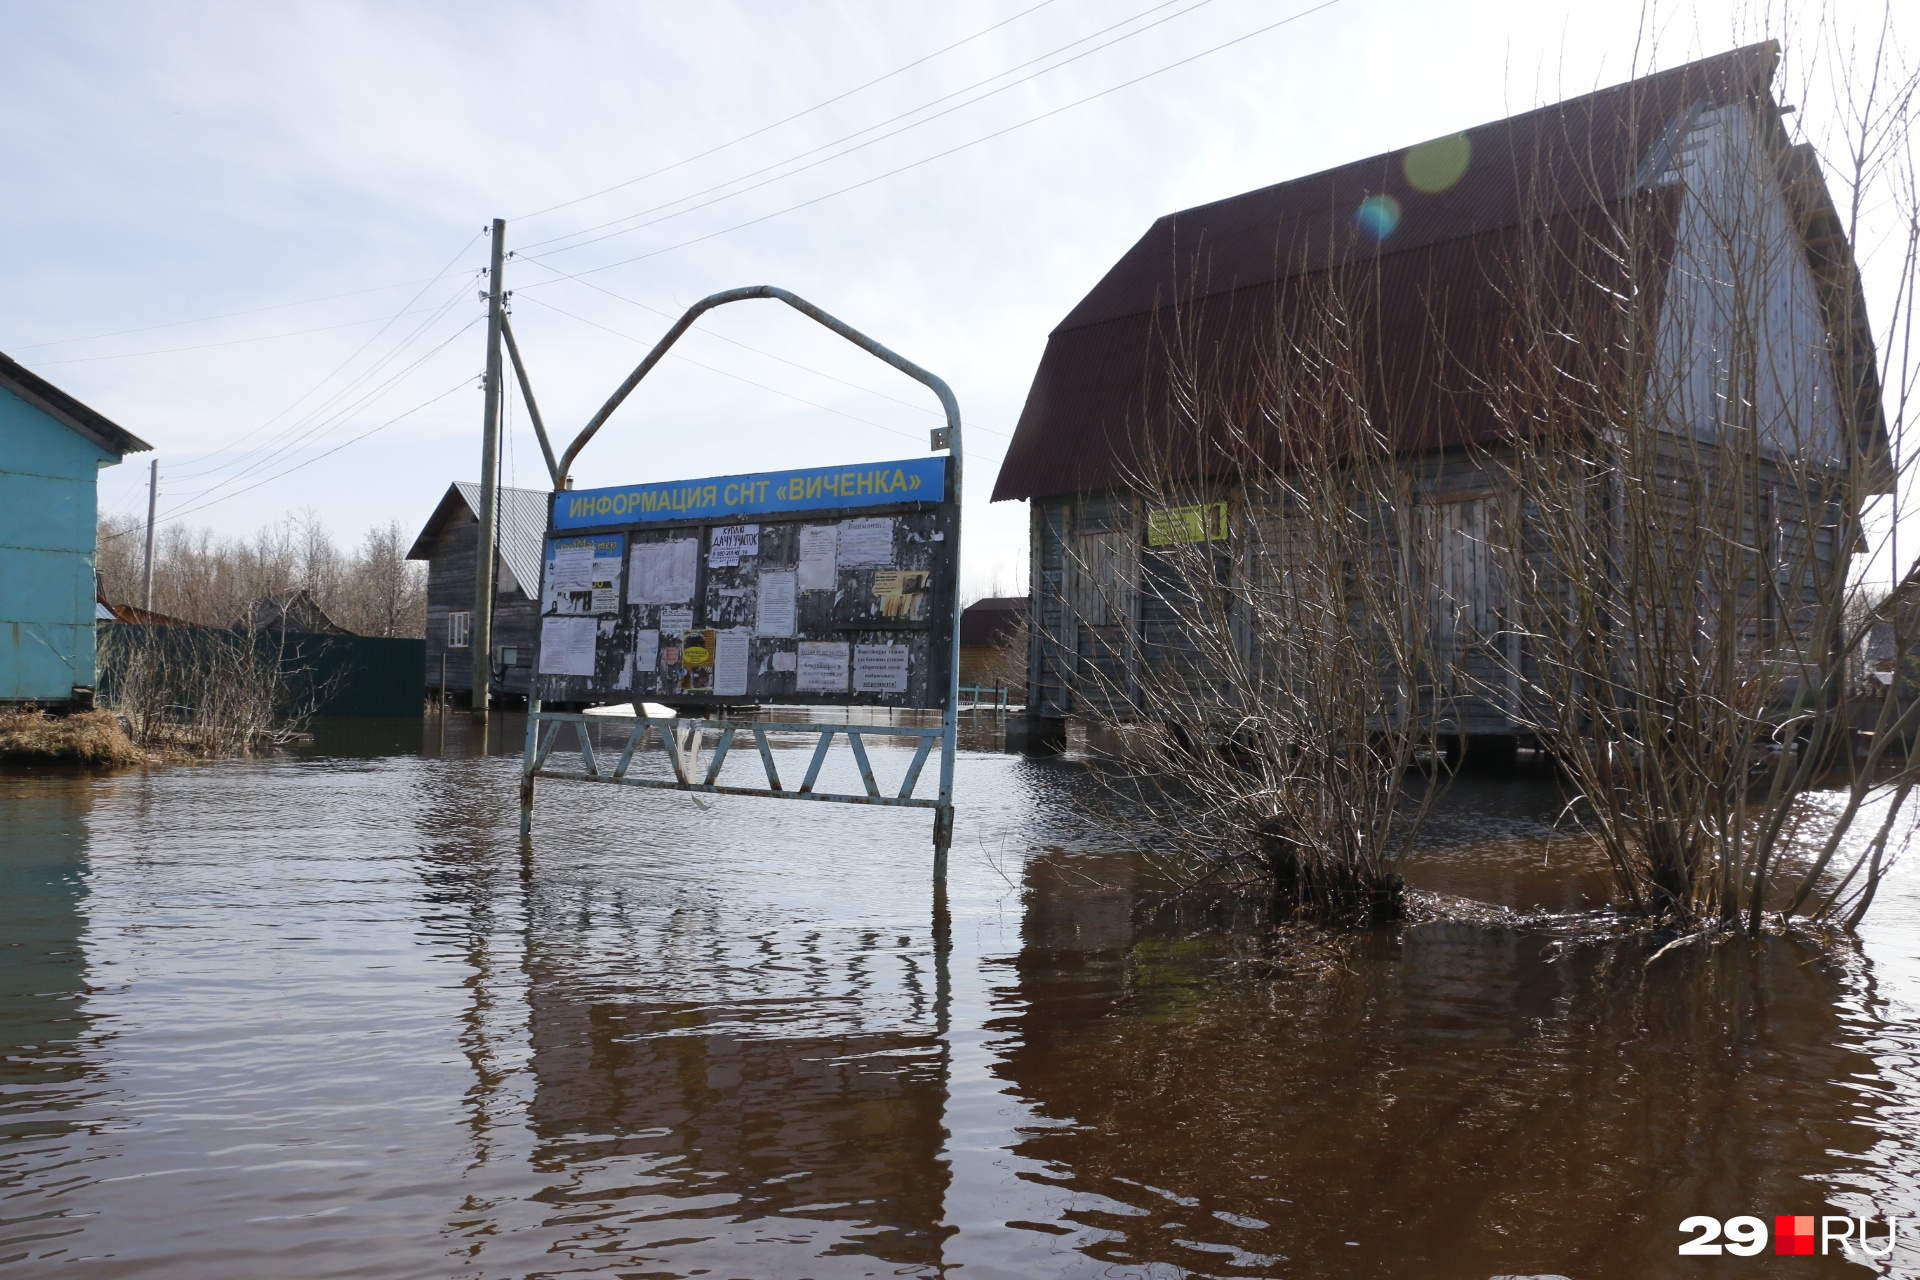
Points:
[(31, 736)]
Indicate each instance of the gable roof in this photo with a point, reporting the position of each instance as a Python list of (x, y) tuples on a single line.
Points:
[(523, 528), (67, 411), (992, 621), (1210, 277)]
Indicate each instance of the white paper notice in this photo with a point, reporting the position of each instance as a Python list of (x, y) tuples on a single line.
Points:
[(583, 576), (817, 543), (572, 567), (663, 572), (567, 645), (730, 543), (866, 542), (730, 662), (785, 660), (675, 621), (880, 668), (822, 666), (775, 616), (646, 650)]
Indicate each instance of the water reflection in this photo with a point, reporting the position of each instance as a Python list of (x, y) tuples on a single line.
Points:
[(45, 1067), (354, 1026), (1454, 1101)]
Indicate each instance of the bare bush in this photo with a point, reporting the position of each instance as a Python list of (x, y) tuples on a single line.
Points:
[(1689, 494), (1248, 644), (210, 691)]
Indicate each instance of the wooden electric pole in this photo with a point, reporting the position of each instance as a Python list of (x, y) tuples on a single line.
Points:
[(480, 635), (153, 505)]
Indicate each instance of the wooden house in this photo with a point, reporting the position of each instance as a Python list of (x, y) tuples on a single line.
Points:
[(448, 543), (993, 637), (1696, 159), (52, 448)]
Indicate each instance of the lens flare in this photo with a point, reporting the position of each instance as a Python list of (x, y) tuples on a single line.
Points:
[(1378, 216), (1437, 165)]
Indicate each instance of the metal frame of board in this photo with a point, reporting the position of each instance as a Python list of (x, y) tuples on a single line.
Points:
[(694, 764)]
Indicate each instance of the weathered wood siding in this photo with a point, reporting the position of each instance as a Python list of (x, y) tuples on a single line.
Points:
[(1110, 616), (450, 590)]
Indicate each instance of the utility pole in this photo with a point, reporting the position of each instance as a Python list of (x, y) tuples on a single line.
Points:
[(153, 505), (480, 636)]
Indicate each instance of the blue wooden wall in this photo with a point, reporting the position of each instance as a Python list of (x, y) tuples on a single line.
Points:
[(47, 515)]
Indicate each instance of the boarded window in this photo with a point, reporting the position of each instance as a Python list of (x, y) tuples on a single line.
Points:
[(1451, 558), (1100, 578), (458, 625)]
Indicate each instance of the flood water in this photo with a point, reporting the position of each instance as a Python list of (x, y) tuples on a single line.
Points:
[(326, 1015)]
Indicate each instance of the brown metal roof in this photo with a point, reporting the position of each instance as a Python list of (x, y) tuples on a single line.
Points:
[(991, 622), (1214, 281)]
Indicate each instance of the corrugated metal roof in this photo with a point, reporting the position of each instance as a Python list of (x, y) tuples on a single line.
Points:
[(523, 528), (1215, 280)]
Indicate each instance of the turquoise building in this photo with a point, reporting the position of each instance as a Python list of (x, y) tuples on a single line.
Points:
[(51, 450)]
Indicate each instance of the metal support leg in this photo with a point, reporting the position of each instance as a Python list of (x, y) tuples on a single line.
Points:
[(942, 841), (526, 766)]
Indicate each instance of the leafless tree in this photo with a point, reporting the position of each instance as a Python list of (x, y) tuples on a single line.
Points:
[(1689, 451), (209, 580), (1243, 629)]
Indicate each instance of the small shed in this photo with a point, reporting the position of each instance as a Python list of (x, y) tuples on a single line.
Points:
[(993, 641), (448, 543), (294, 611), (51, 450)]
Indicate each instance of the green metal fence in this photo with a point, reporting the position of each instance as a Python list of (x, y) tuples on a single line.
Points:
[(360, 675)]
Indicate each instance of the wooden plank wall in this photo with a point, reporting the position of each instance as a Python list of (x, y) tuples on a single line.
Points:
[(450, 590)]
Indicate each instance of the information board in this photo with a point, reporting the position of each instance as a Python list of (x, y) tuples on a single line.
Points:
[(828, 585)]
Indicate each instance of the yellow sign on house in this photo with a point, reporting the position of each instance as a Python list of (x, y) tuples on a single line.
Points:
[(1202, 522)]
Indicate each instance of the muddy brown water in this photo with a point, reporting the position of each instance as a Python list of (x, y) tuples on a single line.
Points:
[(325, 1015)]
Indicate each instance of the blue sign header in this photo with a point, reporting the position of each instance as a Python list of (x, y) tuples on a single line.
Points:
[(873, 484)]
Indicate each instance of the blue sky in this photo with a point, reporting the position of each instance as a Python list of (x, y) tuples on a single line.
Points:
[(303, 186)]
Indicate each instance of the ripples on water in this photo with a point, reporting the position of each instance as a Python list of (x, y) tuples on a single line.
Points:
[(323, 1015)]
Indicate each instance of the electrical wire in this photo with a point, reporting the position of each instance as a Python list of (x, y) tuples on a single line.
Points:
[(181, 514), (335, 371), (323, 407), (233, 342), (321, 430), (759, 351), (224, 315), (726, 373), (941, 155), (524, 251), (618, 186)]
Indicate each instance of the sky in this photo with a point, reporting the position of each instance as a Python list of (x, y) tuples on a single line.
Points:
[(253, 235)]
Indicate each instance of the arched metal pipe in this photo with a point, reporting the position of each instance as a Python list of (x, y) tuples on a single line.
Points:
[(805, 308), (943, 814)]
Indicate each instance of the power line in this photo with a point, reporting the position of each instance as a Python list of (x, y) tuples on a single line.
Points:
[(234, 342), (787, 120), (177, 515), (523, 252), (940, 155), (355, 355), (725, 373), (224, 315), (320, 429), (759, 351)]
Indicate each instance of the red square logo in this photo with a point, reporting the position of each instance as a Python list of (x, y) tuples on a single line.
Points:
[(1792, 1235)]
